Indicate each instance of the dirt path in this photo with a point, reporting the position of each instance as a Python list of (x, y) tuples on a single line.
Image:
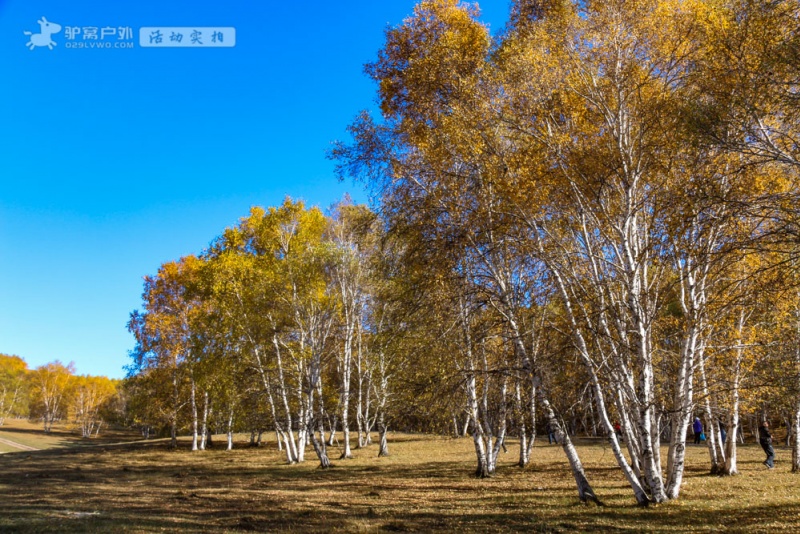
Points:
[(17, 445)]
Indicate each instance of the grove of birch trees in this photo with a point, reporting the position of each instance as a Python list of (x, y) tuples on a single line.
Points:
[(589, 217), (52, 393)]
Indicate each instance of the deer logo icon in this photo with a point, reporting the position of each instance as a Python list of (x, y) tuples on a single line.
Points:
[(43, 37)]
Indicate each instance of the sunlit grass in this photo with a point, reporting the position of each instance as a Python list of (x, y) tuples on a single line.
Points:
[(424, 485), (32, 434), (5, 448)]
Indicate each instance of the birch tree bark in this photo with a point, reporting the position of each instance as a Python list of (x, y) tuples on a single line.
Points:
[(204, 431), (585, 491), (193, 405), (796, 414)]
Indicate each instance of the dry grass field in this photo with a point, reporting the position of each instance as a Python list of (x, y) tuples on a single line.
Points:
[(425, 485)]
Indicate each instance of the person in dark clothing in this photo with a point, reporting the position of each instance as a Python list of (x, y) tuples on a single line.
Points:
[(765, 439), (697, 427), (551, 435), (723, 432)]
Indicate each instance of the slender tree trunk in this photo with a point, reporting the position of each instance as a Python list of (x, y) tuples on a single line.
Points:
[(360, 419), (383, 394), (787, 422), (205, 422), (482, 442), (304, 419), (649, 466), (656, 437), (322, 413), (585, 491), (683, 401), (524, 451), (319, 443), (280, 434), (499, 442), (734, 424), (631, 436), (230, 429), (173, 431), (346, 365), (593, 423), (319, 448), (796, 437), (645, 388), (796, 415), (361, 442), (332, 436), (194, 411), (632, 476), (482, 470), (532, 413), (711, 430), (292, 447), (369, 420), (733, 431), (383, 429)]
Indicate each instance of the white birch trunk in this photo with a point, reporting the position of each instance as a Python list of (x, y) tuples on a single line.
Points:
[(796, 436), (291, 447), (585, 491), (332, 435), (482, 469), (796, 414), (304, 419), (731, 467), (346, 364), (319, 442), (173, 430), (684, 402), (369, 420), (709, 416), (524, 447), (204, 432), (383, 448), (194, 412), (280, 435), (532, 414), (383, 395), (230, 429), (361, 442), (583, 350)]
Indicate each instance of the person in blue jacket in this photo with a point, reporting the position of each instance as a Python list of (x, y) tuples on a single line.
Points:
[(697, 426)]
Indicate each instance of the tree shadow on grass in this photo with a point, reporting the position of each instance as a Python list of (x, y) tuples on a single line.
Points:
[(147, 487)]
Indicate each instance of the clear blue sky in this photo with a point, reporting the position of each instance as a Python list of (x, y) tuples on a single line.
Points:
[(115, 160)]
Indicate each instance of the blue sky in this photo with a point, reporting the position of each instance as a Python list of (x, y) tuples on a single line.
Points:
[(115, 160)]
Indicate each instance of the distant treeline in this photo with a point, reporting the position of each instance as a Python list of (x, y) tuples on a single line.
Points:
[(53, 393)]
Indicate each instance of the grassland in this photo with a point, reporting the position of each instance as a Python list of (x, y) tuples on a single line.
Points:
[(30, 434), (425, 485)]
